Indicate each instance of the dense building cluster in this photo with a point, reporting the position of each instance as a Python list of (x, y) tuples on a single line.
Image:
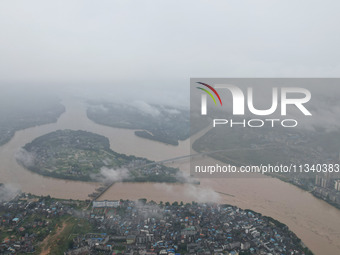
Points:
[(26, 221), (140, 227), (127, 227), (327, 188)]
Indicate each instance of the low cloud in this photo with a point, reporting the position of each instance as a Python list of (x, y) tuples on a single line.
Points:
[(146, 108), (108, 175), (25, 158), (98, 108), (323, 116), (202, 195), (171, 111), (8, 192), (192, 193), (184, 177)]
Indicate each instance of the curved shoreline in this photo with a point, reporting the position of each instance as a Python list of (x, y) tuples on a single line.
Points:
[(313, 220)]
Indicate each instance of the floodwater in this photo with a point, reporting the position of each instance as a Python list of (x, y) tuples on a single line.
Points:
[(314, 221)]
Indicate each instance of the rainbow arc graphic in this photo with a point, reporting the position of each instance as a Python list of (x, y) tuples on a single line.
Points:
[(209, 93)]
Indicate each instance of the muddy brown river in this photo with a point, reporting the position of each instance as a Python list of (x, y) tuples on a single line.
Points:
[(314, 221)]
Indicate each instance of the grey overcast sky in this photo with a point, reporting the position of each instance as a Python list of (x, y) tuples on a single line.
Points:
[(158, 45)]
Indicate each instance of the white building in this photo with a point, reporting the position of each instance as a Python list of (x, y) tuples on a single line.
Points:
[(104, 204), (337, 185)]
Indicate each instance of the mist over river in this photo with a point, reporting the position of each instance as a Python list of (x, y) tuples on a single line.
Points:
[(313, 220)]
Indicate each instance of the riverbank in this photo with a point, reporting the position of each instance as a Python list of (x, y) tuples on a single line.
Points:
[(314, 221)]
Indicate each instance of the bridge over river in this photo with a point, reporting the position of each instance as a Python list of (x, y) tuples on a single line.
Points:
[(108, 186)]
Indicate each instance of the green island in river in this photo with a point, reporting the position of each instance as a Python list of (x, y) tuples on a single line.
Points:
[(85, 156)]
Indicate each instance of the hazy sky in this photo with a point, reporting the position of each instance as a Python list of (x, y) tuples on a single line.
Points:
[(157, 45)]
